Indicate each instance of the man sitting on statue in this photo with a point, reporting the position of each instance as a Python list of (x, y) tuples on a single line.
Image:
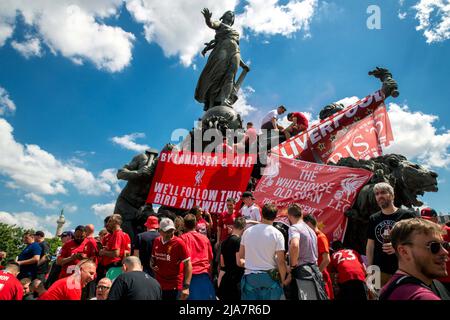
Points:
[(299, 124)]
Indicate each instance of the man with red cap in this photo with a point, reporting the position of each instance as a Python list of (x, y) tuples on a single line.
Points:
[(429, 214), (143, 243)]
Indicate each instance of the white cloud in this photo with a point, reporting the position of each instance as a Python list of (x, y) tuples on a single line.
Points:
[(241, 106), (269, 17), (103, 210), (6, 104), (402, 15), (31, 168), (74, 29), (434, 19), (29, 220), (6, 31), (416, 138), (177, 27), (42, 202), (29, 48), (127, 142), (110, 176), (348, 101), (53, 205)]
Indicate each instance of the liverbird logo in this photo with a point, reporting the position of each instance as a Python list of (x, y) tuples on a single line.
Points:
[(198, 177), (349, 186)]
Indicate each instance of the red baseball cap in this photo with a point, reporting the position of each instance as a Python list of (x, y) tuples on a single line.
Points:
[(428, 213), (152, 222)]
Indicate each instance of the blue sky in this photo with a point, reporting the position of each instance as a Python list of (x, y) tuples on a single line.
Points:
[(84, 86)]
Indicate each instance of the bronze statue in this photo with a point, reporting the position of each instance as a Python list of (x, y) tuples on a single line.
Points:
[(131, 201), (408, 180), (216, 85)]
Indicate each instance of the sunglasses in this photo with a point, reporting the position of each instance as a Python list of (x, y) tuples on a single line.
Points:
[(103, 287), (435, 246)]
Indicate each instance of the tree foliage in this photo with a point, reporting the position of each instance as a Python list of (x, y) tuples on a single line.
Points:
[(11, 241)]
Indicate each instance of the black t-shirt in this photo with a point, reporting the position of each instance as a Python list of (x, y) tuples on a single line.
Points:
[(43, 268), (135, 285), (144, 243), (229, 248), (378, 222)]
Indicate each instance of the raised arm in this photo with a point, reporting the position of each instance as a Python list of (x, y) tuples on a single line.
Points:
[(212, 24)]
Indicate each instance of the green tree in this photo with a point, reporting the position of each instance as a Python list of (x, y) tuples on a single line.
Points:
[(11, 240)]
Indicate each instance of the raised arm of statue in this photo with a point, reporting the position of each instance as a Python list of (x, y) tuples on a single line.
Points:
[(136, 169), (212, 24)]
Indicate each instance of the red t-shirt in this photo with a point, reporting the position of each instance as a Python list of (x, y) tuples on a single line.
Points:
[(87, 247), (117, 240), (301, 119), (202, 227), (323, 247), (348, 264), (225, 220), (251, 135), (168, 258), (10, 287), (63, 289), (200, 250)]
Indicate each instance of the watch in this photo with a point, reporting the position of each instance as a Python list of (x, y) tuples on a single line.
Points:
[(186, 286)]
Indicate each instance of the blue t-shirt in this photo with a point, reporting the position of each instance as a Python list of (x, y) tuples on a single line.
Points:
[(29, 270)]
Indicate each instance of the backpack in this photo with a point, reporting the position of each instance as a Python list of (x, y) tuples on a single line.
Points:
[(436, 287)]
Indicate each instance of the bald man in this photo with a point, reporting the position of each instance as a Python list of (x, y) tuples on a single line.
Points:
[(134, 284), (103, 288), (89, 231)]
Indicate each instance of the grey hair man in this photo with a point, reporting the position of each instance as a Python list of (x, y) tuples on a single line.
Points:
[(379, 250)]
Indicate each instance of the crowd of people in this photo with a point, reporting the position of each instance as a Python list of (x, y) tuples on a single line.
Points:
[(237, 255), (240, 254)]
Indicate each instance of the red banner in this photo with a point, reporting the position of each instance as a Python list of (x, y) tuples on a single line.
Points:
[(301, 145), (184, 179), (361, 140), (325, 191)]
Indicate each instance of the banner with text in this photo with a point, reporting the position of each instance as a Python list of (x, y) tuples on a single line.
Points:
[(326, 192), (186, 179), (302, 145), (361, 140)]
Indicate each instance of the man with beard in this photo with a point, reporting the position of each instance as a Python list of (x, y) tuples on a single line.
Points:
[(422, 255), (379, 250), (76, 250)]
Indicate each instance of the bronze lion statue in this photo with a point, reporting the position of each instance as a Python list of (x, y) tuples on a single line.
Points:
[(408, 179)]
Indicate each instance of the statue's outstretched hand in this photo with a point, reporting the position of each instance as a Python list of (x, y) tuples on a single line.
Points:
[(206, 13)]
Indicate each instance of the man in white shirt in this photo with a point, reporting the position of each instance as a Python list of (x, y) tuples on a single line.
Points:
[(250, 211), (269, 121), (262, 254)]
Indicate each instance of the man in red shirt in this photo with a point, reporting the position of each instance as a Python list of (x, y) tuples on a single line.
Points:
[(299, 124), (169, 254), (225, 222), (118, 244), (76, 250), (349, 268), (323, 249), (70, 288), (200, 250), (10, 287)]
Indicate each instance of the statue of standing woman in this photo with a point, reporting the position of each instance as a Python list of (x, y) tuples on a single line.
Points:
[(216, 85)]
